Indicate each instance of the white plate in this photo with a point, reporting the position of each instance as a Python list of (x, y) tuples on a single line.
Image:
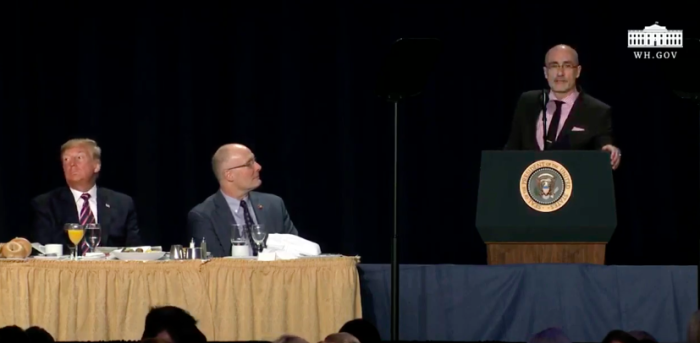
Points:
[(138, 256), (93, 256), (40, 257)]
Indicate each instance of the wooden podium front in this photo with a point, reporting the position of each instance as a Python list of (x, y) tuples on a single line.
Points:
[(572, 224), (526, 252)]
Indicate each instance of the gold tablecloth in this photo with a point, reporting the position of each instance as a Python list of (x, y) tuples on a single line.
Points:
[(233, 299)]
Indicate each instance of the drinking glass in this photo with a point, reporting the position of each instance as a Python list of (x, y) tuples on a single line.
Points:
[(75, 234), (239, 240), (258, 234), (93, 236)]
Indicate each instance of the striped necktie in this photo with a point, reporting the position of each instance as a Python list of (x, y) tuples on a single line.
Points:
[(248, 224), (86, 217)]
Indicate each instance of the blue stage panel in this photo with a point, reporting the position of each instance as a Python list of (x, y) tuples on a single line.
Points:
[(512, 302)]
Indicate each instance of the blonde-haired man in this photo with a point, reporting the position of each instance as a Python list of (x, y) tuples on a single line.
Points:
[(83, 202)]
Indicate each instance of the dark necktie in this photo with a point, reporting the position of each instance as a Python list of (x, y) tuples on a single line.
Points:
[(554, 125), (248, 224), (86, 216)]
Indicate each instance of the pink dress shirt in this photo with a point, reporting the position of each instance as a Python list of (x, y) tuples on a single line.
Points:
[(551, 106)]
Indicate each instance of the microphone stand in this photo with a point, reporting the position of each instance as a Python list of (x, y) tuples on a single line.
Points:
[(404, 74), (395, 235), (684, 83), (545, 100), (693, 97)]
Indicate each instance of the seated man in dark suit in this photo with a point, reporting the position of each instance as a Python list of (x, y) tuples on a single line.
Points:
[(83, 202), (575, 120), (235, 203)]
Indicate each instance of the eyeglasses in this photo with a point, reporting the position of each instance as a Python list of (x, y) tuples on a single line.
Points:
[(249, 164), (557, 66)]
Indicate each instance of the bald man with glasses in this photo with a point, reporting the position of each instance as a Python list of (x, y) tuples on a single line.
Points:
[(575, 120), (236, 202)]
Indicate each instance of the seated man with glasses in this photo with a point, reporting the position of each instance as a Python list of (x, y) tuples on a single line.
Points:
[(238, 174), (575, 120)]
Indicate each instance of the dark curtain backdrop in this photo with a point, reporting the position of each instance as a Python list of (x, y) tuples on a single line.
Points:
[(161, 85)]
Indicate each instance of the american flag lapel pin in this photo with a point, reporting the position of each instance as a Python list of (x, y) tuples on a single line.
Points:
[(259, 207)]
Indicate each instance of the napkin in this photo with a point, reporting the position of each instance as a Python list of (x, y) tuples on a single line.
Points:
[(292, 245), (281, 254), (38, 247)]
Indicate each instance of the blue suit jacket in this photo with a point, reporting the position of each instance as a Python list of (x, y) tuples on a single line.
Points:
[(213, 220)]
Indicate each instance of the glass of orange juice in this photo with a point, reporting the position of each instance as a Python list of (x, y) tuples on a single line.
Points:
[(75, 235)]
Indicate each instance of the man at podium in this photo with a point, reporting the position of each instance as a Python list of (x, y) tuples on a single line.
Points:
[(574, 120)]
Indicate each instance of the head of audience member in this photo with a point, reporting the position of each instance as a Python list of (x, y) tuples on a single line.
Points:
[(236, 169), (619, 336), (39, 335), (173, 325), (363, 330), (290, 339), (561, 69), (13, 334), (694, 328), (155, 340), (643, 336), (81, 163), (341, 337), (550, 335)]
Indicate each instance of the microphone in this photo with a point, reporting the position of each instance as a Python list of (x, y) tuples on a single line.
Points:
[(545, 100)]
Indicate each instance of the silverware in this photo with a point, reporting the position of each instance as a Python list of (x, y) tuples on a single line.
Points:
[(176, 252)]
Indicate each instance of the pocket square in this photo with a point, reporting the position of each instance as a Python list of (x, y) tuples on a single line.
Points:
[(578, 129)]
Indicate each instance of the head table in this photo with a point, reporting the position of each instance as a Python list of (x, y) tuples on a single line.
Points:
[(233, 299)]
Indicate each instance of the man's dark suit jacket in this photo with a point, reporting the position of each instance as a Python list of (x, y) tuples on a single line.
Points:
[(587, 113), (116, 215), (213, 220)]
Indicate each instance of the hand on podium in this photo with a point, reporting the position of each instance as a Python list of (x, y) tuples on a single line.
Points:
[(615, 155)]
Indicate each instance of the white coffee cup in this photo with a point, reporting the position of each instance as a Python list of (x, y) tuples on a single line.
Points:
[(54, 249)]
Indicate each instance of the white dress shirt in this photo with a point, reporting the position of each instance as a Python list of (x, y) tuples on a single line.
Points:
[(79, 202)]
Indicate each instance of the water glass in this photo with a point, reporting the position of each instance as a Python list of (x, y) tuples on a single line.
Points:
[(258, 234), (93, 236), (239, 240)]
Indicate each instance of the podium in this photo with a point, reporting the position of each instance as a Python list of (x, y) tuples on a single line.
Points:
[(546, 206)]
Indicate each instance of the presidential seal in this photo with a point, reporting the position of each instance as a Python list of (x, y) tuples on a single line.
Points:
[(546, 186)]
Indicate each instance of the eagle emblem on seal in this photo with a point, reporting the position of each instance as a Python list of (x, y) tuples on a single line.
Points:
[(547, 186)]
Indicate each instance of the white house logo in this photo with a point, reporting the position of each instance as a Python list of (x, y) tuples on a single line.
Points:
[(655, 37)]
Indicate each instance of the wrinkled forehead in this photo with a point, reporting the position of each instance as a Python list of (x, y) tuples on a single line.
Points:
[(561, 56), (240, 158), (77, 150)]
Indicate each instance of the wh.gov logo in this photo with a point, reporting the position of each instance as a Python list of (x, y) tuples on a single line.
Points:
[(654, 37)]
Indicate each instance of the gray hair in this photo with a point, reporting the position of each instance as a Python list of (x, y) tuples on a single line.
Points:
[(551, 335), (641, 335), (290, 339), (341, 337), (694, 328)]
